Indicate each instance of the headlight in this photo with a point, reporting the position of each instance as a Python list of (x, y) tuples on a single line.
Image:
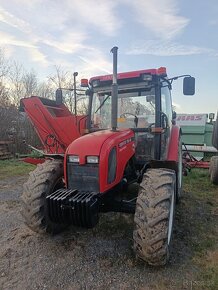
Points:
[(92, 159), (73, 158), (146, 77)]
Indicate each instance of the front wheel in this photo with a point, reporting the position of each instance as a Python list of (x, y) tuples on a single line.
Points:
[(213, 169), (154, 216), (45, 179)]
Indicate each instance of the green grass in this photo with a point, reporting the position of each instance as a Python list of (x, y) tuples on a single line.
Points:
[(201, 207), (198, 182), (14, 168)]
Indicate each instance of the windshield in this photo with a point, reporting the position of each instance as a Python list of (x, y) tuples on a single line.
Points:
[(135, 109)]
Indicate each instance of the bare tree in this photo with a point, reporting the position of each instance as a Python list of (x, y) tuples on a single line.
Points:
[(4, 70), (30, 83), (4, 65), (16, 83), (4, 96), (45, 90), (65, 80), (61, 78)]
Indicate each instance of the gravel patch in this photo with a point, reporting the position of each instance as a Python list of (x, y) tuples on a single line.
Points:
[(99, 258)]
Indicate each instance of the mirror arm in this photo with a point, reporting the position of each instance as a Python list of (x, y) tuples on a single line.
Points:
[(177, 77)]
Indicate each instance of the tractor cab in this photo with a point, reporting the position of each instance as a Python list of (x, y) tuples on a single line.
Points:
[(143, 105)]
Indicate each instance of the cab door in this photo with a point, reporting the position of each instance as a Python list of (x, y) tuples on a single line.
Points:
[(166, 118)]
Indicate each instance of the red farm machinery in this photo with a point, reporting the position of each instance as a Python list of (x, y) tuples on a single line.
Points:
[(128, 136)]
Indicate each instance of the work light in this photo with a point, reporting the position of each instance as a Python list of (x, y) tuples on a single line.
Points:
[(146, 77)]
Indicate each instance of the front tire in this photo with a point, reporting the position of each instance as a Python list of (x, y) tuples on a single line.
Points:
[(45, 179), (154, 216), (213, 170)]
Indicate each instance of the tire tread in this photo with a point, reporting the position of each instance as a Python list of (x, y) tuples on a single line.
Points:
[(152, 214), (35, 190)]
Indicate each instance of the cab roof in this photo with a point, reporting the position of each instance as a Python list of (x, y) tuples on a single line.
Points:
[(131, 74)]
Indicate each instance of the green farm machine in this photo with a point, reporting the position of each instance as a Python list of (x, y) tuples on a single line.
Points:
[(213, 170)]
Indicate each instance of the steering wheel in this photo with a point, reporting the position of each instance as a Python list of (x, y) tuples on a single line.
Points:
[(126, 113), (152, 124)]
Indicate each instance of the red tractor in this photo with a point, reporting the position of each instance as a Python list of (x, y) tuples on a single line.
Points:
[(130, 137)]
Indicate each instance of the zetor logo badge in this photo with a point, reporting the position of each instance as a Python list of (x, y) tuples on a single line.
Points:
[(123, 143), (190, 118)]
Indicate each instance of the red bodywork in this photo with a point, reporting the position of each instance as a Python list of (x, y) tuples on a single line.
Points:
[(33, 161), (172, 154), (54, 124), (100, 144), (131, 75), (198, 164)]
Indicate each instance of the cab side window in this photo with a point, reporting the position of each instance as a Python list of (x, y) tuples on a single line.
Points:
[(166, 109), (166, 104)]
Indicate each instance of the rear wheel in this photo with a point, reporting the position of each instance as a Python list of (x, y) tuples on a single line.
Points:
[(45, 179), (154, 216), (179, 174), (213, 170)]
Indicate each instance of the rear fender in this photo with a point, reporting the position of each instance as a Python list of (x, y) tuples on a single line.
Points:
[(171, 161), (174, 144)]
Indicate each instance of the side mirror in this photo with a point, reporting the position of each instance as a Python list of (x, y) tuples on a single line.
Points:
[(211, 117), (59, 96), (189, 86)]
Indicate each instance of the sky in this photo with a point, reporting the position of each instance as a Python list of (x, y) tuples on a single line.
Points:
[(79, 34)]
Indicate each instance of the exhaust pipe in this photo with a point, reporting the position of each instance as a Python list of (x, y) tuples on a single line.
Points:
[(114, 91), (75, 74)]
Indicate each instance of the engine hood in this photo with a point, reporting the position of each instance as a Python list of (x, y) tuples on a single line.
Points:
[(91, 144)]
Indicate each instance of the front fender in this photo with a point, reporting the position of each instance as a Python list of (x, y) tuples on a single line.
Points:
[(125, 149)]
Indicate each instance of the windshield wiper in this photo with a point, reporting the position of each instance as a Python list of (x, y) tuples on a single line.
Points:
[(102, 104)]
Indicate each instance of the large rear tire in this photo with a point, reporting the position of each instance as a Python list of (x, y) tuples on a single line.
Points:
[(154, 216), (213, 170), (44, 180), (179, 175)]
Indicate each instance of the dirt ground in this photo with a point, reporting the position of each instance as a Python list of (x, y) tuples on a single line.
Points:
[(100, 258)]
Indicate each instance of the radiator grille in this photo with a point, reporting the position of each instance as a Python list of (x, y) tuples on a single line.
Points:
[(83, 177)]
